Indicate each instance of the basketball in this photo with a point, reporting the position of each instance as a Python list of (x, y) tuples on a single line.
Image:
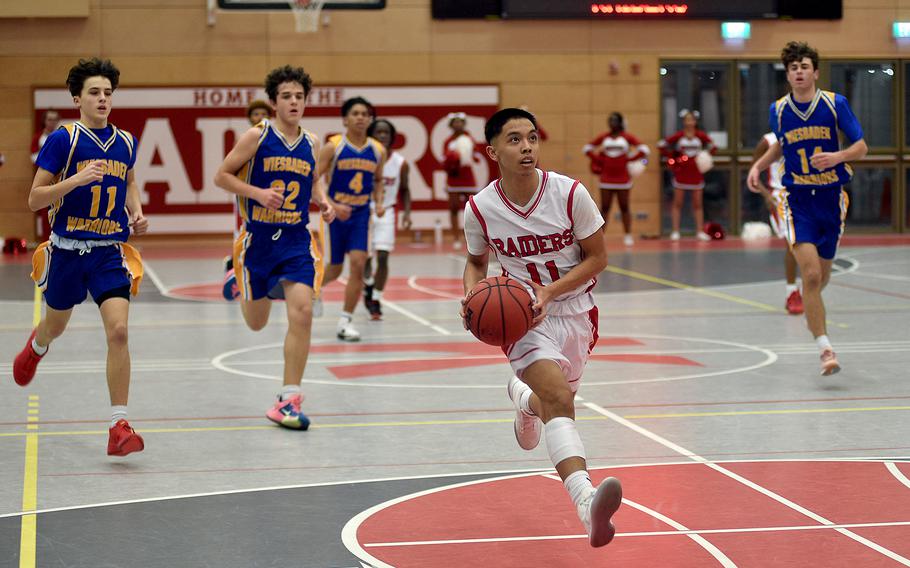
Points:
[(498, 311)]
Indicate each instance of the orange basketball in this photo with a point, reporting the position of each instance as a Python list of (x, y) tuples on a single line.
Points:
[(498, 311)]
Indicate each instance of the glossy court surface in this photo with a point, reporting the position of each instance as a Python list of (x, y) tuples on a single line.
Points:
[(702, 396)]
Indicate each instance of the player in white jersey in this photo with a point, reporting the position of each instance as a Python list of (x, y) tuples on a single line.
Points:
[(547, 232), (382, 238), (774, 197)]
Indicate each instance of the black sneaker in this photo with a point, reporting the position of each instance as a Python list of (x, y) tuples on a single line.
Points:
[(375, 310), (368, 297)]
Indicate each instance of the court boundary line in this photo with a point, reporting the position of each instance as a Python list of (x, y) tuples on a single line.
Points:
[(897, 473)]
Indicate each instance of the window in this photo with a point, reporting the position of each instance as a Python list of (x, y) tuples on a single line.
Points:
[(760, 84), (869, 86), (697, 86), (871, 192)]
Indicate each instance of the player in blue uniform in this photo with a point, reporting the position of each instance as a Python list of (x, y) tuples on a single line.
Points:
[(806, 122), (85, 174), (353, 163), (272, 170)]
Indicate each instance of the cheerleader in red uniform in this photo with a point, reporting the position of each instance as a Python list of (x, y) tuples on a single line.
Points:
[(458, 152), (681, 150), (618, 157)]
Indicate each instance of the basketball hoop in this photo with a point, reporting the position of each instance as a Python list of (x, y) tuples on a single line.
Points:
[(306, 14)]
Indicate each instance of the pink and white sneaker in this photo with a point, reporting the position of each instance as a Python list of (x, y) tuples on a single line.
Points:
[(527, 427), (287, 413), (830, 365)]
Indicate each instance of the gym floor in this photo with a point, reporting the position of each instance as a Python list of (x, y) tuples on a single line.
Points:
[(703, 397)]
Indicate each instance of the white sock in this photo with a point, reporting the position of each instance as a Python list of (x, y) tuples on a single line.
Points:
[(823, 342), (368, 281), (345, 319), (563, 441), (791, 288), (287, 391), (579, 486), (117, 413), (377, 294), (38, 349)]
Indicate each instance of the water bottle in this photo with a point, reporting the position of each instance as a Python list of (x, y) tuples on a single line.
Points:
[(437, 232)]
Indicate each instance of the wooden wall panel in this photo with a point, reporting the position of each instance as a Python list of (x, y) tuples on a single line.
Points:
[(45, 9)]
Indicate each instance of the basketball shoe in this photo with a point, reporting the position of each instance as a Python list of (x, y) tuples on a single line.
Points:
[(287, 413), (123, 440), (830, 366), (229, 289), (26, 362), (795, 303), (527, 427), (596, 510)]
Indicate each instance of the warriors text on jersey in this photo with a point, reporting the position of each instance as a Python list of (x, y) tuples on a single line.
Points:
[(540, 240), (353, 171), (96, 211), (804, 129), (279, 163)]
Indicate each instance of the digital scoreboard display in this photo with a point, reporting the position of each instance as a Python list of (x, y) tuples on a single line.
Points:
[(689, 9)]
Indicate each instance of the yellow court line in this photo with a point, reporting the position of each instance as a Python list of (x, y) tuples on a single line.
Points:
[(699, 290), (28, 534), (462, 422)]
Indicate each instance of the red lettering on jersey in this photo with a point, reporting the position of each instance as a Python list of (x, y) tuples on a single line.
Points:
[(511, 249), (567, 238), (528, 244), (544, 242)]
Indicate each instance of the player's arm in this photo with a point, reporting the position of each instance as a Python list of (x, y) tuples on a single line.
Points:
[(379, 184), (45, 191), (320, 195), (771, 155), (139, 224), (641, 151), (226, 177), (404, 193), (591, 149), (324, 166), (849, 125)]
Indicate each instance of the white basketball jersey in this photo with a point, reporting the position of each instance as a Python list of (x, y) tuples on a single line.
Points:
[(538, 241), (391, 179), (775, 170)]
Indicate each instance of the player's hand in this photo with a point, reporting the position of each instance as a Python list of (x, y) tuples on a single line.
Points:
[(406, 221), (327, 212), (825, 160), (542, 297), (380, 210), (342, 211), (139, 224), (270, 198), (754, 180), (461, 312), (90, 173)]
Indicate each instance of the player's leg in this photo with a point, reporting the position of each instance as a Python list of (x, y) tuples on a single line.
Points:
[(606, 202), (455, 205), (622, 197), (815, 271), (352, 290), (679, 196), (287, 410), (382, 277), (114, 306), (256, 312), (794, 302), (48, 329)]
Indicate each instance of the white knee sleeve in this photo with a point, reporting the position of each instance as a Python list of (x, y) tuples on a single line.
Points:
[(563, 441)]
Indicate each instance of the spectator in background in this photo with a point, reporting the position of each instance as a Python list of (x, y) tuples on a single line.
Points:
[(50, 122), (681, 150)]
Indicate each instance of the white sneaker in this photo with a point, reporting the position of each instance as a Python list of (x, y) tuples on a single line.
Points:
[(527, 427), (628, 240), (674, 236), (318, 308), (703, 236), (598, 508), (347, 332)]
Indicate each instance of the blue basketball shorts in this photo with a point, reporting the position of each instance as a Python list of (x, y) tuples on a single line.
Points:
[(67, 276), (817, 216), (266, 256), (344, 236)]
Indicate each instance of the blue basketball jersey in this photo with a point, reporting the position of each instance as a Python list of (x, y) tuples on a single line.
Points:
[(804, 129), (288, 165), (353, 171), (96, 211)]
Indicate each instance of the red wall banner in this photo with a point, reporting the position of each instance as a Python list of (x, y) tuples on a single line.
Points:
[(184, 133)]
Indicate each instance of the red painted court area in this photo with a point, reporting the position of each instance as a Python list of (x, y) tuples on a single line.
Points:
[(784, 520)]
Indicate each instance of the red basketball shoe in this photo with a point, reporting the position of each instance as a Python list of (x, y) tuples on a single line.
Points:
[(795, 303), (26, 362), (123, 440)]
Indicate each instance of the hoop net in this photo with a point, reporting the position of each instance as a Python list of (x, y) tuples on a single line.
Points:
[(306, 14)]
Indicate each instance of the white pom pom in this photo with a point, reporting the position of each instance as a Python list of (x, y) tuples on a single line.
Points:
[(636, 168), (704, 161), (756, 231), (465, 148)]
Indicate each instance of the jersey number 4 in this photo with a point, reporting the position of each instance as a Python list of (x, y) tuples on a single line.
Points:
[(550, 265)]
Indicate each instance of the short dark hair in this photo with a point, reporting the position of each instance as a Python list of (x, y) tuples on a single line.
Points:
[(93, 67), (375, 123), (287, 74), (796, 51), (499, 119), (349, 104), (257, 104)]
